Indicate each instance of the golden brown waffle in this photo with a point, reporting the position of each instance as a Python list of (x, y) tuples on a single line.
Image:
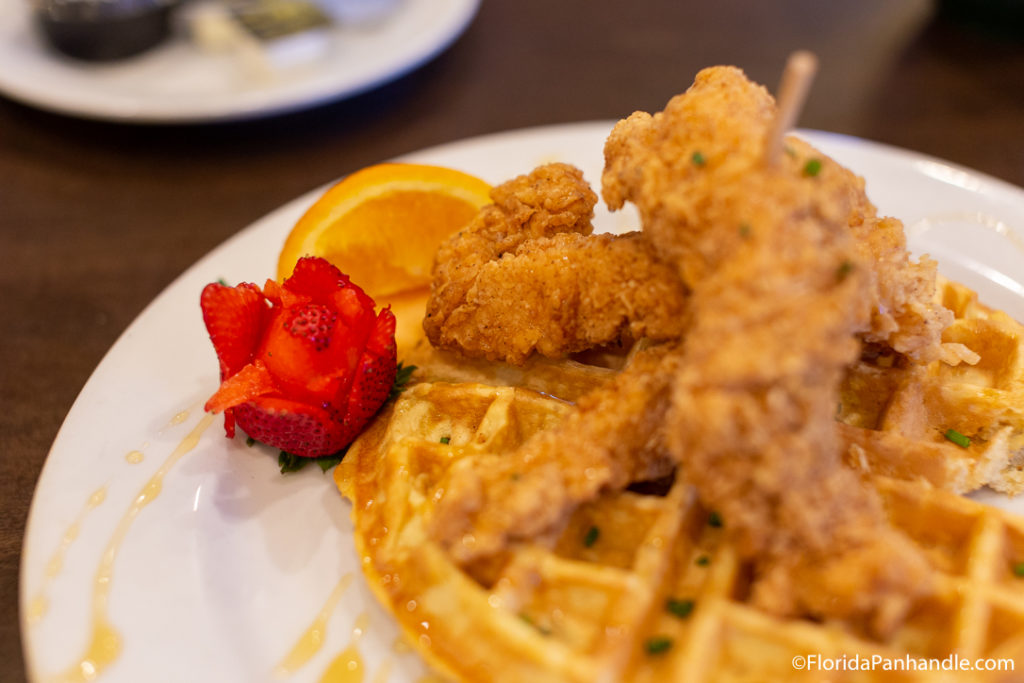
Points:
[(644, 586), (898, 418)]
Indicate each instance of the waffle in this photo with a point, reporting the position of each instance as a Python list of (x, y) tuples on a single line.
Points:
[(643, 585), (896, 417)]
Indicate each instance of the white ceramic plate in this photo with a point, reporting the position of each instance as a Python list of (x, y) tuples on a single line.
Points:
[(218, 577), (177, 82)]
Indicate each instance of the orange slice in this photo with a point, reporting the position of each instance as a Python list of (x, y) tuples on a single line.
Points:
[(381, 226)]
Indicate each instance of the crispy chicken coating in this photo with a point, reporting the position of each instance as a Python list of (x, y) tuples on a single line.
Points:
[(780, 287), (904, 315), (781, 282), (614, 438), (528, 276)]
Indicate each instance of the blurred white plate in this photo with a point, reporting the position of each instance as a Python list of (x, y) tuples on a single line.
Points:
[(177, 82), (219, 576)]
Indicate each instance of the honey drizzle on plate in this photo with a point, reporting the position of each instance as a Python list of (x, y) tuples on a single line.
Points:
[(104, 641), (312, 639), (348, 666), (39, 604)]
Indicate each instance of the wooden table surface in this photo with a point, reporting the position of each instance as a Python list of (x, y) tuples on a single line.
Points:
[(96, 218)]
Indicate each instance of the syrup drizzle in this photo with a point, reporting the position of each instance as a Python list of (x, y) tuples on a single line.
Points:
[(348, 666), (40, 603), (312, 640), (104, 644)]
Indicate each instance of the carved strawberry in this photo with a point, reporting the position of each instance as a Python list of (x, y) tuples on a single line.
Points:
[(303, 365)]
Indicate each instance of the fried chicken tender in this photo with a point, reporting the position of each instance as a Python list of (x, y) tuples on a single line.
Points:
[(744, 405), (612, 439), (901, 292), (779, 289), (527, 275)]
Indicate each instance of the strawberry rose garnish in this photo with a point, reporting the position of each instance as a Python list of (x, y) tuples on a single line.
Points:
[(303, 365)]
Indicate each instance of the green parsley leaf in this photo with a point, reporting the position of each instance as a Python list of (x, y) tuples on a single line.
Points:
[(844, 270), (812, 167), (250, 442), (328, 461), (1018, 569), (714, 519), (958, 438), (222, 281), (698, 159), (593, 533), (446, 440), (679, 608), (703, 561), (290, 463), (402, 377), (745, 230), (544, 630), (658, 645)]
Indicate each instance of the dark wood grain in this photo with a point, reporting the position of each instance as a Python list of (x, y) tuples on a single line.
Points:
[(96, 219)]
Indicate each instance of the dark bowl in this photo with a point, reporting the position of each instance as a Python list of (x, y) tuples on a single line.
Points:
[(103, 30)]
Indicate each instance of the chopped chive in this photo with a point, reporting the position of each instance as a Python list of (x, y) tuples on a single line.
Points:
[(446, 440), (544, 631), (1018, 569), (250, 442), (679, 608), (714, 519), (591, 537), (844, 269), (698, 159), (658, 645), (812, 167), (703, 561), (745, 230), (958, 438)]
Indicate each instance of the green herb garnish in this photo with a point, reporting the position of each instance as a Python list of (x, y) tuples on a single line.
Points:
[(703, 561), (250, 442), (591, 537), (289, 462), (812, 167), (402, 377), (679, 608), (844, 270), (446, 440), (658, 645), (958, 438), (544, 631), (1018, 569), (698, 159), (745, 230), (714, 519)]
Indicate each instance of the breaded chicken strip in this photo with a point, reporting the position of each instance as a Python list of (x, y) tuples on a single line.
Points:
[(527, 275), (745, 404), (614, 438), (780, 288), (904, 315)]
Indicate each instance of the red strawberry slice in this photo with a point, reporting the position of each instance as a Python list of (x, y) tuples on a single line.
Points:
[(234, 317), (298, 428), (375, 374)]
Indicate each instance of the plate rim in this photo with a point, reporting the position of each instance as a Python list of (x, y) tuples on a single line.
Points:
[(462, 14)]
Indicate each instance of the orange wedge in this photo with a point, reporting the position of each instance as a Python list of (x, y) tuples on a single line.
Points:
[(381, 226)]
